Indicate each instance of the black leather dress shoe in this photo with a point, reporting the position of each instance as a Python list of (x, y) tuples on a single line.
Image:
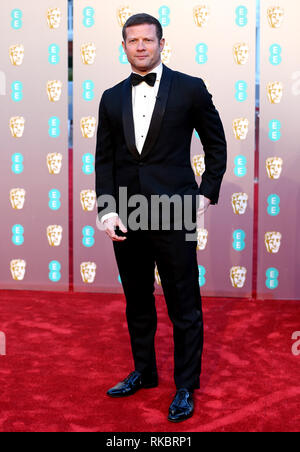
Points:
[(182, 407), (131, 385)]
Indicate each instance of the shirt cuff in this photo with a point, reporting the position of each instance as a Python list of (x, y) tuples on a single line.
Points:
[(107, 216)]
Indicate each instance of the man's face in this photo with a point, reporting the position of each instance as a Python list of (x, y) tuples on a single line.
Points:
[(143, 48)]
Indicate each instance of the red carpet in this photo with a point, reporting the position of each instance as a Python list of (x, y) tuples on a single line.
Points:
[(65, 350)]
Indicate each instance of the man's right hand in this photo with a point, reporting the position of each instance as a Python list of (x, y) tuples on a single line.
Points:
[(110, 224)]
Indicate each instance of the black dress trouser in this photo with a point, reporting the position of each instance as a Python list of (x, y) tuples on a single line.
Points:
[(177, 265)]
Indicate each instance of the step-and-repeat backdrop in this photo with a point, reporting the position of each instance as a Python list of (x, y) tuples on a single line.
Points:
[(34, 145), (279, 195)]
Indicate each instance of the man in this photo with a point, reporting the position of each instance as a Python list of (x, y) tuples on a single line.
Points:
[(143, 144)]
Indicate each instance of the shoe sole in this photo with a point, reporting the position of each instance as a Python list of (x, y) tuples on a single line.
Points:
[(118, 396), (181, 420)]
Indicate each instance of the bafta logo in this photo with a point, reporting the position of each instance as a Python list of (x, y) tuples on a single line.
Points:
[(275, 16), (166, 53), (54, 88), (88, 126), (17, 198), (202, 238), (17, 126), (241, 53), (88, 272), (275, 92), (88, 53), (54, 163), (241, 128), (201, 15), (273, 242), (239, 202), (88, 200), (238, 277), (54, 18), (16, 54), (123, 15), (18, 269), (274, 167), (157, 277), (198, 164), (54, 234)]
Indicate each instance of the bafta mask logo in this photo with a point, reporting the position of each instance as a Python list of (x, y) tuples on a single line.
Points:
[(201, 15), (241, 53), (16, 54), (18, 269), (88, 53), (54, 18), (88, 126), (202, 237), (238, 277), (275, 16), (54, 88), (274, 167), (88, 272), (17, 126), (241, 128), (198, 164), (54, 234), (273, 242), (157, 277), (275, 92), (239, 203), (123, 15), (166, 53), (17, 198), (54, 162), (88, 200)]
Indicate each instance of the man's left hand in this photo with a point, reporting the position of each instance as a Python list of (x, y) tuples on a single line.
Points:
[(204, 204)]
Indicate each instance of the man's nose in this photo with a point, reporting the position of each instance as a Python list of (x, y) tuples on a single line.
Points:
[(141, 45)]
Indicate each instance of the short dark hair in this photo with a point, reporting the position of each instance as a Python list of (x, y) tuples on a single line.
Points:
[(141, 19)]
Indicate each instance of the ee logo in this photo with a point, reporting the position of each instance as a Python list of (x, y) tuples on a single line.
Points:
[(54, 197), (273, 205), (54, 271), (54, 127), (274, 130), (18, 234), (88, 236), (54, 51), (17, 163), (240, 169), (241, 91), (17, 91), (272, 275), (88, 90), (88, 164), (88, 17), (164, 16), (275, 54), (241, 16), (201, 53), (123, 57), (202, 272), (16, 22), (239, 240)]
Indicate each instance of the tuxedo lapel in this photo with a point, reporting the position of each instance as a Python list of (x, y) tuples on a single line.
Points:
[(127, 117)]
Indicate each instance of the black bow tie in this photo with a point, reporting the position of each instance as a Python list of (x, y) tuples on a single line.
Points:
[(136, 79)]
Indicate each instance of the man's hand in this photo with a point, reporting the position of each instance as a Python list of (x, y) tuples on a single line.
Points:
[(204, 204), (110, 225)]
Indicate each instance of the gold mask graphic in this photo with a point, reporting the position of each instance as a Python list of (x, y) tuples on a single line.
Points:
[(157, 277), (16, 54), (18, 269), (201, 15), (88, 53), (238, 277), (275, 16), (241, 128), (88, 200), (54, 88), (202, 237), (88, 272), (54, 18), (273, 241), (198, 164), (166, 53), (241, 53), (17, 126), (54, 234), (274, 167), (123, 14), (239, 202), (17, 198), (88, 126), (54, 162), (275, 92)]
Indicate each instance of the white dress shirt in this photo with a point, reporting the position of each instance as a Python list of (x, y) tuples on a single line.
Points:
[(143, 103)]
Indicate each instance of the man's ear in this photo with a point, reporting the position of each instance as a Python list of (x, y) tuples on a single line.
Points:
[(124, 45), (162, 44)]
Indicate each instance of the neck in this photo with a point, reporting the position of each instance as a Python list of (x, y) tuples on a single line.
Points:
[(146, 70)]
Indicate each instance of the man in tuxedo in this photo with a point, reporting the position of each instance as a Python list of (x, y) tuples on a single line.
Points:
[(143, 144)]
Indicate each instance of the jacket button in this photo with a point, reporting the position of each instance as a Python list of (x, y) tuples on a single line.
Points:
[(141, 163)]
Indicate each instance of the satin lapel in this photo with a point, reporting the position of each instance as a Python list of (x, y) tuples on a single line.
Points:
[(127, 117), (159, 111)]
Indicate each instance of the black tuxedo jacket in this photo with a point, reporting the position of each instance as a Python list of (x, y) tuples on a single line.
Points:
[(164, 166)]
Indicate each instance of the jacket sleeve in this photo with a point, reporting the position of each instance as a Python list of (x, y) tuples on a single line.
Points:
[(210, 129), (104, 161)]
